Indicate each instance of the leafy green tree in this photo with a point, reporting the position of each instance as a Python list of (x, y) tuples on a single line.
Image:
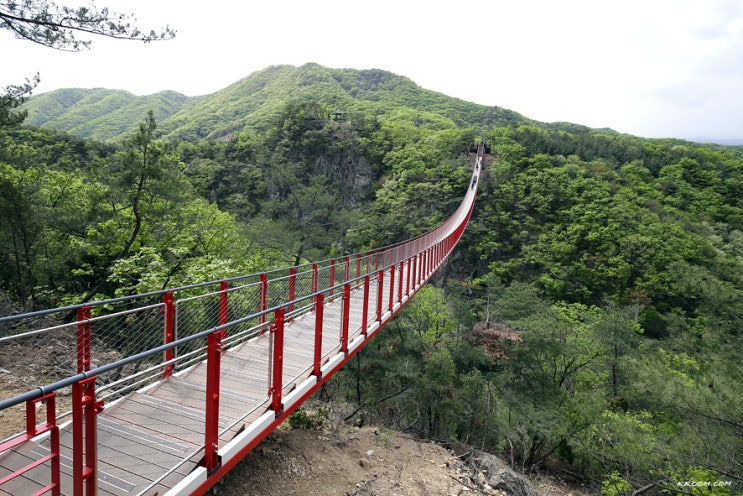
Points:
[(144, 182), (305, 217), (13, 97), (45, 204)]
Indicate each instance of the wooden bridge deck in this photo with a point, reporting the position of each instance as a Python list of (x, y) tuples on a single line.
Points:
[(156, 435)]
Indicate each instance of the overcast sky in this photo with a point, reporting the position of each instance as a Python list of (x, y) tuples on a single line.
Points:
[(652, 68)]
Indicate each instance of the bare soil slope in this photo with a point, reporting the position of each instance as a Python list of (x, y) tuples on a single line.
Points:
[(339, 459)]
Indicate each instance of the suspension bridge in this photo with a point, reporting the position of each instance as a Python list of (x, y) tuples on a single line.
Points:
[(163, 393)]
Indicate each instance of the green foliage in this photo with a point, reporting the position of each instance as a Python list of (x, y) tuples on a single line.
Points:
[(13, 97), (614, 485), (698, 480), (57, 26), (302, 418), (609, 257), (83, 220)]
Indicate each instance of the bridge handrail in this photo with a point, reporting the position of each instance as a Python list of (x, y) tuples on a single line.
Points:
[(321, 263)]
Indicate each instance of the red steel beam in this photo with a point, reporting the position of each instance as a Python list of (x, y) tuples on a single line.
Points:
[(169, 324), (277, 334), (211, 421)]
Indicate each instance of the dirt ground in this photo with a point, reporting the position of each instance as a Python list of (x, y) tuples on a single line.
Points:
[(13, 419), (12, 383), (340, 459)]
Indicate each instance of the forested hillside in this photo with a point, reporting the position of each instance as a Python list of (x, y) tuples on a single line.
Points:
[(252, 103), (100, 114), (589, 322)]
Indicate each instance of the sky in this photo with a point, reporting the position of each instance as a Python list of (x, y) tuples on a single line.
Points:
[(651, 68)]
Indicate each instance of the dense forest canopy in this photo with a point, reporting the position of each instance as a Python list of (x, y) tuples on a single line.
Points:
[(588, 323)]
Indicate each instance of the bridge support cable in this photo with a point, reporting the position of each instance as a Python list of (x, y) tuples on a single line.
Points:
[(171, 389)]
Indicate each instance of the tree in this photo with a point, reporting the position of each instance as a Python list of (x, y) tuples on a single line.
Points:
[(13, 97), (57, 26), (143, 181)]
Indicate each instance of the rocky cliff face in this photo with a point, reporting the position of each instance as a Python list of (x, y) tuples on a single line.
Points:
[(311, 151), (344, 163)]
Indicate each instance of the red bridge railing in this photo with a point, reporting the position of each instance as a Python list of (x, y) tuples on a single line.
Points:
[(117, 346)]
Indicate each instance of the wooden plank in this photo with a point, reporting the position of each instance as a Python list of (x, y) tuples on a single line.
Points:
[(179, 426), (189, 396)]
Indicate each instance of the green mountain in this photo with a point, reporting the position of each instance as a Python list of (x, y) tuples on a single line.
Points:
[(99, 113), (108, 115)]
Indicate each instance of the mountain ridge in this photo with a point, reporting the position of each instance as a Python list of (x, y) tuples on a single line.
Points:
[(108, 115)]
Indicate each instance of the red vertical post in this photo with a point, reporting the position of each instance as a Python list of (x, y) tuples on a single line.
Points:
[(346, 269), (319, 308), (358, 265), (314, 278), (263, 297), (415, 272), (409, 262), (392, 287), (429, 261), (365, 314), (277, 334), (399, 283), (292, 287), (83, 339), (424, 266), (224, 302), (54, 447), (345, 316), (169, 323), (211, 420), (84, 436), (380, 294)]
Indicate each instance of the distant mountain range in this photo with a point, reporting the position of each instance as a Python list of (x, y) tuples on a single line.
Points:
[(109, 115), (717, 140)]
